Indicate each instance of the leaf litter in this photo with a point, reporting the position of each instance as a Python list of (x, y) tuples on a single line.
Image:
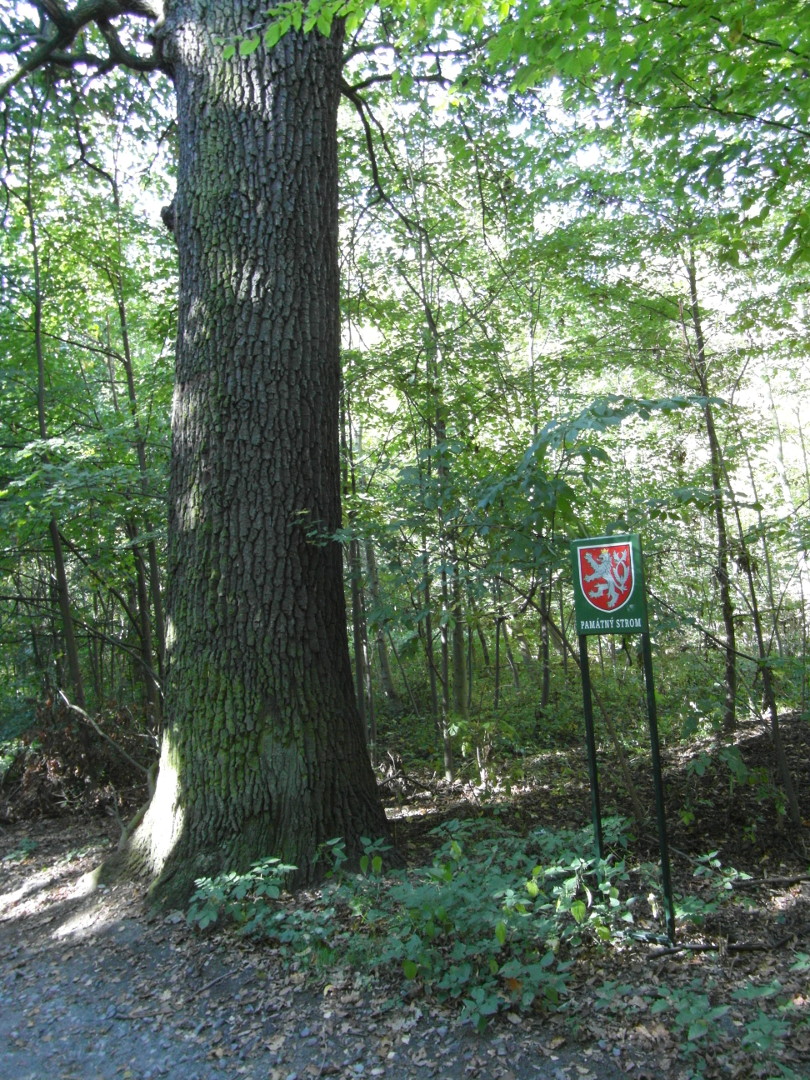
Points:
[(92, 987)]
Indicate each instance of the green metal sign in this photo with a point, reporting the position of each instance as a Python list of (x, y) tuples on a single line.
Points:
[(609, 599), (609, 593)]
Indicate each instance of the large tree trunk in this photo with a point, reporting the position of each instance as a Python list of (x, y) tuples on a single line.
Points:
[(263, 751)]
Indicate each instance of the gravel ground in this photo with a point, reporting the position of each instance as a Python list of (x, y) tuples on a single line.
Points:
[(92, 988)]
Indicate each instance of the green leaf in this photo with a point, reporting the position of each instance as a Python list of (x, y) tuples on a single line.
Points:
[(697, 1030), (248, 46), (579, 910), (273, 34), (751, 993)]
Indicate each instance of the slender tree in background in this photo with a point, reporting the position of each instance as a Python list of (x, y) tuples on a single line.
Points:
[(699, 362), (57, 547), (82, 472)]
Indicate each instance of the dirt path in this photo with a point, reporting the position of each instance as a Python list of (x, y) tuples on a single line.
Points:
[(92, 989)]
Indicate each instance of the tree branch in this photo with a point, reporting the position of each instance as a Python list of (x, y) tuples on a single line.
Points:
[(120, 55), (89, 719), (362, 111), (65, 26)]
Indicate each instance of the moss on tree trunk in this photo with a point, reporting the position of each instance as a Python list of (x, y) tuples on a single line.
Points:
[(263, 752)]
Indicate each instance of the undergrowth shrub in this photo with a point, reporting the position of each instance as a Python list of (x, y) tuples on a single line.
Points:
[(496, 921)]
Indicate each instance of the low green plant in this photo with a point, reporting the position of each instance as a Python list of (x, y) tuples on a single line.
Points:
[(690, 1012), (371, 861), (716, 884), (22, 851), (235, 897), (494, 922)]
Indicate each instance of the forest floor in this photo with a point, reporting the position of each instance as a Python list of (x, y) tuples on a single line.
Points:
[(94, 987)]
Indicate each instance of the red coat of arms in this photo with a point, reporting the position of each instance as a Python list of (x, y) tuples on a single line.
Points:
[(606, 575)]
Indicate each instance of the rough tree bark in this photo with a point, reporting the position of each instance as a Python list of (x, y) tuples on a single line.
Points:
[(263, 751)]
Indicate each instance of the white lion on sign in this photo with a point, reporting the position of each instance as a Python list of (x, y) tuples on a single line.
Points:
[(612, 571)]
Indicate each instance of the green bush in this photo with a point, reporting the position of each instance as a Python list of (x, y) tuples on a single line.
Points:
[(496, 921)]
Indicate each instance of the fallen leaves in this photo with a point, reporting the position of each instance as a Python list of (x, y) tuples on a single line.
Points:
[(229, 1005)]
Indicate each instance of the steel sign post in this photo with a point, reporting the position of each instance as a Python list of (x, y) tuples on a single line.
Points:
[(609, 598)]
